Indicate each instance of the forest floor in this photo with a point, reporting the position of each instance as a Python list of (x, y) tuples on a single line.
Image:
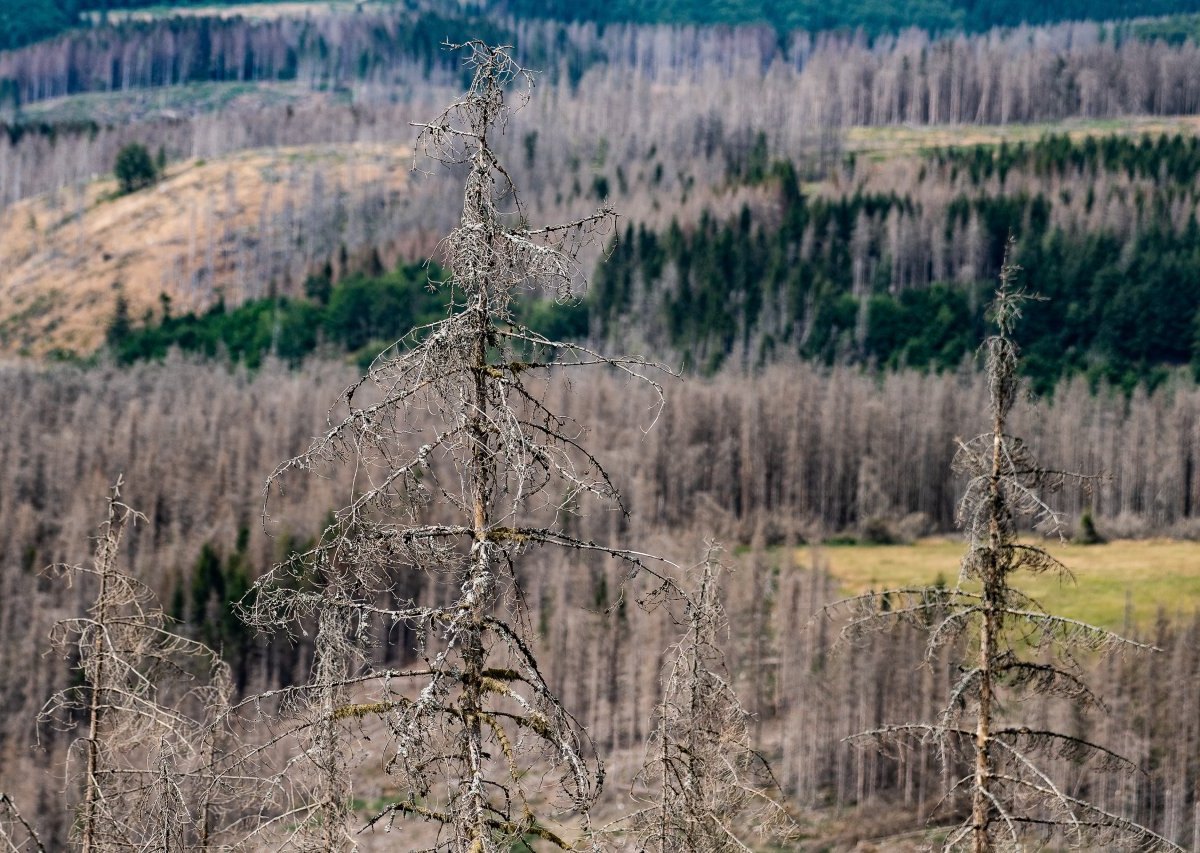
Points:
[(1118, 583)]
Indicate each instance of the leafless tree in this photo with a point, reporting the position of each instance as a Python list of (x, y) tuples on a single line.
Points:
[(460, 468), (143, 698), (704, 787), (1016, 650)]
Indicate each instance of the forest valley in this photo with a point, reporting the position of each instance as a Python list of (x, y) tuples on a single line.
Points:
[(544, 554)]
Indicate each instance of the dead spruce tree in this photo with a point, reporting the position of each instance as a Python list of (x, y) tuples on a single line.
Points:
[(703, 787), (144, 697), (459, 469), (1016, 650)]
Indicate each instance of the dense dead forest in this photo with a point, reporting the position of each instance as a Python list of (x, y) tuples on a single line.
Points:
[(800, 451), (786, 458), (696, 154), (202, 90), (1018, 74)]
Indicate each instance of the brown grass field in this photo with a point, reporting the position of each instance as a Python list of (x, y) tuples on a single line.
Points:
[(62, 256)]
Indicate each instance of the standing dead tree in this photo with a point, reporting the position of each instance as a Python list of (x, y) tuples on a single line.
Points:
[(707, 789), (1016, 650), (144, 697), (460, 467)]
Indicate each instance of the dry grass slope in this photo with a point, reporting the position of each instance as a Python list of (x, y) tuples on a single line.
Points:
[(206, 229)]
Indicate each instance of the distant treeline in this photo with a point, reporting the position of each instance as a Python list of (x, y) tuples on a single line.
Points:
[(193, 49), (21, 23), (874, 277), (362, 75), (873, 16), (1166, 159), (39, 19)]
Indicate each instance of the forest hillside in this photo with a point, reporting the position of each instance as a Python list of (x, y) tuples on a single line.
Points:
[(229, 226), (241, 243)]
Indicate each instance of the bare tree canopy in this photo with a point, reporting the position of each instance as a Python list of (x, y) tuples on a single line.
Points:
[(706, 788), (146, 697)]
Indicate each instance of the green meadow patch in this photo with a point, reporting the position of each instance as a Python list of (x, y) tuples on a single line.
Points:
[(1123, 579)]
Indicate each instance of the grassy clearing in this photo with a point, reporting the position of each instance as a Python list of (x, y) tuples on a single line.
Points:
[(1143, 575), (133, 105), (268, 10), (879, 143)]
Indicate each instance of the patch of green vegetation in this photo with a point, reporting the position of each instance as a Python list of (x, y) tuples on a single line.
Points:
[(1175, 29), (1166, 159), (360, 315), (841, 541), (134, 168), (25, 21), (1123, 306), (371, 807)]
